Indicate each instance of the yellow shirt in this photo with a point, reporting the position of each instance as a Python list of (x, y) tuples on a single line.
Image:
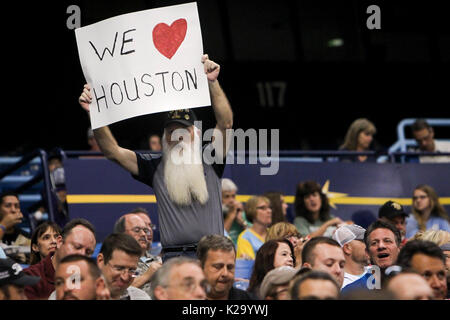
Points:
[(248, 244)]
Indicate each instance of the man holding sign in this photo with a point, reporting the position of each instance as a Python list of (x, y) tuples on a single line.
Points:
[(187, 188)]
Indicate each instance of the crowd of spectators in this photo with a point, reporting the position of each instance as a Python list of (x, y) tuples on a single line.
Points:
[(311, 263)]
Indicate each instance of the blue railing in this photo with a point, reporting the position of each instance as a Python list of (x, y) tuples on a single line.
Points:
[(300, 155), (27, 179), (402, 144)]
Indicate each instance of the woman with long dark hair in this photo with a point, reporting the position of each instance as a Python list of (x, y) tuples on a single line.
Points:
[(271, 255), (43, 241), (312, 211)]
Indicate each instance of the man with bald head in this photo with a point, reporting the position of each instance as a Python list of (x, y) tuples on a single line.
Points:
[(410, 286), (144, 215), (133, 225), (180, 278)]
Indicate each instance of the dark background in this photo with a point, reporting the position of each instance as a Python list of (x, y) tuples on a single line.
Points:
[(400, 71)]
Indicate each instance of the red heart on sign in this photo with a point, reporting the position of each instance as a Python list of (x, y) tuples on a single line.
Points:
[(167, 39)]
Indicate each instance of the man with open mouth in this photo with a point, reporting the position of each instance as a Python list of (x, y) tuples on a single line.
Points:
[(383, 246)]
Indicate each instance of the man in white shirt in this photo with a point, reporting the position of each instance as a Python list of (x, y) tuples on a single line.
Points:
[(423, 133), (351, 239)]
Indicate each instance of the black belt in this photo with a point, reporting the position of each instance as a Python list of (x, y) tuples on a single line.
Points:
[(180, 248)]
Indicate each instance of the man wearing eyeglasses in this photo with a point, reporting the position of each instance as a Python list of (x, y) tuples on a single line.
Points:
[(118, 260), (144, 215), (133, 225)]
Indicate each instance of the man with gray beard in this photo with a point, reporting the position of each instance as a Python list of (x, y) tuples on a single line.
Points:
[(187, 188)]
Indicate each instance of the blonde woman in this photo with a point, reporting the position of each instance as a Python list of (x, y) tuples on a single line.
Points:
[(359, 137), (259, 213), (440, 237), (427, 212)]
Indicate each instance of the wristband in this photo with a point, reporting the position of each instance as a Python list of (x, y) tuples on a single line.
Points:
[(3, 228)]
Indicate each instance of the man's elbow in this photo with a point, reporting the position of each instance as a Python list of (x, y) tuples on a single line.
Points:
[(110, 154), (227, 124)]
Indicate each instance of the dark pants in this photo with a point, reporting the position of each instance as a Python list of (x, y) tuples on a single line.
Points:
[(179, 251)]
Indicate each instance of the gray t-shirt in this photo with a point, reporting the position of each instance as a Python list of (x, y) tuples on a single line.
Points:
[(183, 225), (305, 227)]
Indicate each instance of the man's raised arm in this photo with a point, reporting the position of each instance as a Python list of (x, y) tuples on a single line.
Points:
[(219, 101), (106, 141)]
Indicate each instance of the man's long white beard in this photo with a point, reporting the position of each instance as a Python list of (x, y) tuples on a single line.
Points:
[(184, 177)]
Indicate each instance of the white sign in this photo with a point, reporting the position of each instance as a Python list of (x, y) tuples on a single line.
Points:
[(143, 62)]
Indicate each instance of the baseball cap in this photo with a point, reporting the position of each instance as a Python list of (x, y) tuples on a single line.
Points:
[(391, 210), (184, 116), (11, 273), (347, 233), (276, 276)]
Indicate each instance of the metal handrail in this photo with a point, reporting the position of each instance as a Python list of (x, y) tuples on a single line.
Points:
[(82, 153), (36, 179), (393, 155), (409, 121), (77, 153), (295, 153), (47, 184), (44, 175), (23, 161)]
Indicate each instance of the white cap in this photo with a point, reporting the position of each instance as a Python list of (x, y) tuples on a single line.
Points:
[(347, 233)]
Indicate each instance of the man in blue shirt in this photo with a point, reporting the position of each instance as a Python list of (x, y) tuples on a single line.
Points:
[(383, 246)]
